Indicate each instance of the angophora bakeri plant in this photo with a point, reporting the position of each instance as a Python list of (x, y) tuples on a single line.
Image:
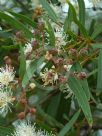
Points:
[(47, 82)]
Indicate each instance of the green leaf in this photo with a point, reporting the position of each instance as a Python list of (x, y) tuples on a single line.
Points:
[(68, 20), (99, 78), (81, 98), (29, 73), (22, 68), (81, 27), (51, 33), (97, 46), (69, 125), (24, 18), (10, 47), (81, 11), (34, 66), (92, 25), (77, 67), (5, 34), (6, 131), (50, 120), (97, 31), (49, 10), (15, 23)]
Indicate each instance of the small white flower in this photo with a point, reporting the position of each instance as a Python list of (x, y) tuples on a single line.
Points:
[(28, 48), (6, 75), (26, 129), (49, 76), (48, 56), (6, 99), (59, 38), (67, 67), (32, 85)]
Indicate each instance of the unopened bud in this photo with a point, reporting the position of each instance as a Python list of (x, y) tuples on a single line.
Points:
[(73, 52), (19, 34), (36, 32), (23, 101), (7, 60), (82, 75), (32, 85), (32, 110), (83, 51), (34, 44), (41, 26), (21, 115), (62, 79)]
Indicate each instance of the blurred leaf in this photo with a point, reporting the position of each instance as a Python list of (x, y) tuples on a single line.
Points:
[(29, 73), (6, 131), (81, 98), (68, 20), (5, 34), (63, 108), (51, 33), (99, 78), (69, 125), (10, 47), (53, 105), (49, 10), (97, 31), (91, 29), (15, 23), (97, 46), (34, 65), (22, 68), (77, 67), (81, 11), (81, 27), (50, 120), (25, 19)]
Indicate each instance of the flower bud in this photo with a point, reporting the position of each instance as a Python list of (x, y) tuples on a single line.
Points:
[(32, 110), (19, 34), (35, 44), (82, 75), (32, 85), (23, 101), (41, 26), (21, 115), (83, 51), (58, 61), (73, 52), (7, 60), (62, 79), (36, 32)]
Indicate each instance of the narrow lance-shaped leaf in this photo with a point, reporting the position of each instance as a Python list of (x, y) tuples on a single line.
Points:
[(49, 10), (81, 98), (68, 20), (15, 23), (22, 68), (51, 33), (81, 11), (24, 18), (77, 67), (92, 25), (69, 125), (81, 27), (97, 31)]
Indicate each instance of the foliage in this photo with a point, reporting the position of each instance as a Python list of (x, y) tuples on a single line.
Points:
[(57, 71)]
